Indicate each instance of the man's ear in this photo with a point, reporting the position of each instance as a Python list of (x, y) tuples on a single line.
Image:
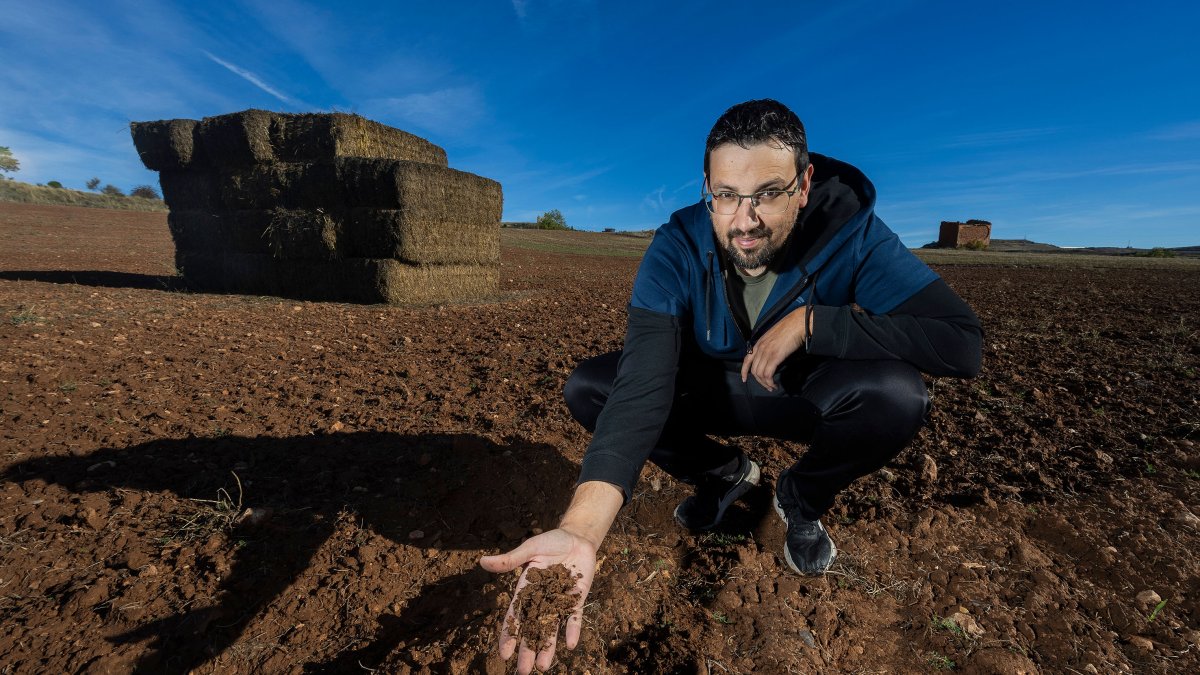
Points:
[(808, 173)]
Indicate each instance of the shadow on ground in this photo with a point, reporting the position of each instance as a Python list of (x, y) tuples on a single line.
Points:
[(99, 278), (464, 491)]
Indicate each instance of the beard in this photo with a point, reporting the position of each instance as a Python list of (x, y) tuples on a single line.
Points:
[(760, 257)]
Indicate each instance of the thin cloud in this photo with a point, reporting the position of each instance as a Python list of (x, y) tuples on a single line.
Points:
[(252, 79), (447, 112), (520, 7), (576, 179), (1188, 131), (655, 201), (993, 138)]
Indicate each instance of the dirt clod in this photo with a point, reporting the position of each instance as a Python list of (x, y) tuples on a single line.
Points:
[(545, 602)]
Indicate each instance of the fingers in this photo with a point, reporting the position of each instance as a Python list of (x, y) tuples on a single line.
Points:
[(511, 628), (508, 645), (545, 658), (574, 627), (525, 659), (765, 374), (497, 563), (746, 364), (507, 562)]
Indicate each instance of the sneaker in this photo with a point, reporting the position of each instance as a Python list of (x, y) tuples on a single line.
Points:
[(807, 548), (705, 509)]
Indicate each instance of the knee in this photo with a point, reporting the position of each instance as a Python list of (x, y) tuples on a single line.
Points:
[(899, 388), (577, 393), (587, 389)]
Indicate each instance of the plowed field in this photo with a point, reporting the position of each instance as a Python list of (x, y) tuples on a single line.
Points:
[(233, 484)]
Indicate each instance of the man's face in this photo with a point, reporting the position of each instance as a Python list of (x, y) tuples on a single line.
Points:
[(750, 238)]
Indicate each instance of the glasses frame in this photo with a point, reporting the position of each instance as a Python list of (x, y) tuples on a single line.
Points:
[(754, 197)]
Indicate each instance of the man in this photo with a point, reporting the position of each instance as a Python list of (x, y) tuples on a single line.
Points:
[(779, 306)]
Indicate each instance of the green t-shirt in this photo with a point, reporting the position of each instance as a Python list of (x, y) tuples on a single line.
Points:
[(755, 291)]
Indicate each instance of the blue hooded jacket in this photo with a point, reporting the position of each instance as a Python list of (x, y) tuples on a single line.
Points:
[(860, 262), (869, 298)]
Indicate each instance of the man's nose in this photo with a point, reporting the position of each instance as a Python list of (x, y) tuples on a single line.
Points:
[(745, 218)]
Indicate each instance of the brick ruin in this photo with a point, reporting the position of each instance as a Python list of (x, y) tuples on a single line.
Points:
[(957, 235)]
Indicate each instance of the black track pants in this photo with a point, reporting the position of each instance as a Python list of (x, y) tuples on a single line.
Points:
[(855, 416)]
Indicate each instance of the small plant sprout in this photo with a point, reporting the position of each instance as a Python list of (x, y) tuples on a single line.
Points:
[(941, 661), (1157, 608)]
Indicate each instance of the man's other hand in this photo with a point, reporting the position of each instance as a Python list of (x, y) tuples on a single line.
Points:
[(778, 343), (575, 552)]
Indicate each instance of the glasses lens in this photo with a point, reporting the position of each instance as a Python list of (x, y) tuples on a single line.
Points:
[(773, 201), (722, 203)]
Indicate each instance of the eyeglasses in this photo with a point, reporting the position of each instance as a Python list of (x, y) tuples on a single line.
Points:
[(726, 203)]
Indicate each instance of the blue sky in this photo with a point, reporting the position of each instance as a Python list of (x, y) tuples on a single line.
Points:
[(1074, 123)]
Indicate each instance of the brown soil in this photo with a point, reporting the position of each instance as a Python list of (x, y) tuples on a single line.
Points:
[(543, 605), (226, 484)]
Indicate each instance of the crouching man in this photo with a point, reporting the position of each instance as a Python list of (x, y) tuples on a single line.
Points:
[(778, 305)]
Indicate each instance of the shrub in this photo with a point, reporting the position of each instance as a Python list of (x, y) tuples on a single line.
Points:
[(144, 191), (552, 220), (8, 163), (1158, 252), (54, 184), (112, 190), (93, 184), (976, 245)]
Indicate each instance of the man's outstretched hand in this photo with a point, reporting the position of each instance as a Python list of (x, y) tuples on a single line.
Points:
[(574, 545), (543, 551)]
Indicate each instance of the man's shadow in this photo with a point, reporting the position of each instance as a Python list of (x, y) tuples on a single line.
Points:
[(462, 491)]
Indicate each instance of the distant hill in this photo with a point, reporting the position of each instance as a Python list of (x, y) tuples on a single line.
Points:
[(1027, 246), (25, 193)]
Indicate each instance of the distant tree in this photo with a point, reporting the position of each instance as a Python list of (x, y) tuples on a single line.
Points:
[(552, 220), (144, 191), (93, 183), (7, 161), (54, 184), (112, 190)]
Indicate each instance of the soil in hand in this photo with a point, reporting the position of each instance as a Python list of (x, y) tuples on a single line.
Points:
[(543, 605)]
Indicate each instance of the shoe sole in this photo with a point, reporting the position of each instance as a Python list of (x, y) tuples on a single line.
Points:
[(752, 478), (787, 555)]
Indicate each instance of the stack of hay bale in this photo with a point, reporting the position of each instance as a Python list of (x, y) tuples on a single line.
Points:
[(322, 207)]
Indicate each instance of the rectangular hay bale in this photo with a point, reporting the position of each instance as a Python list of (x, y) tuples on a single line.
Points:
[(356, 280), (397, 233), (237, 139), (425, 192), (330, 136), (166, 144), (317, 234), (397, 282), (196, 231), (254, 137), (289, 186), (306, 235), (190, 190)]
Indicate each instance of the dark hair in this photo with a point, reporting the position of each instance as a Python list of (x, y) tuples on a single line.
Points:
[(759, 121)]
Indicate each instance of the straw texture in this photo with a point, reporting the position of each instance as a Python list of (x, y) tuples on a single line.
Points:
[(260, 137)]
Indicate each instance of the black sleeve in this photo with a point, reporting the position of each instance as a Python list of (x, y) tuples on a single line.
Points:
[(934, 330), (640, 402)]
